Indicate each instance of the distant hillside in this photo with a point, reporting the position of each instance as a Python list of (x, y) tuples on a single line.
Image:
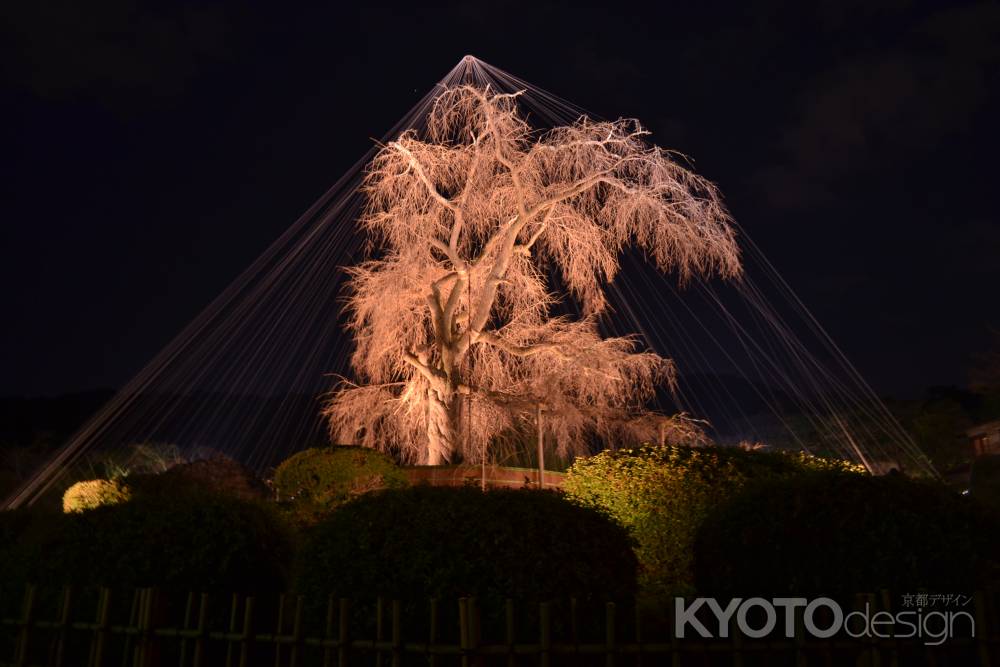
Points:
[(27, 420)]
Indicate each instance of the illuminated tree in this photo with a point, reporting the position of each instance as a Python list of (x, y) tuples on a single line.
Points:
[(457, 343)]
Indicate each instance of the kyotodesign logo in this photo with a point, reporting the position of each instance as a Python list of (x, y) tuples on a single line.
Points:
[(822, 618)]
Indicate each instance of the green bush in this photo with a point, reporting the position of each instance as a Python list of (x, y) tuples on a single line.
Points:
[(459, 541), (21, 532), (835, 534), (317, 480), (189, 543), (662, 494), (92, 493)]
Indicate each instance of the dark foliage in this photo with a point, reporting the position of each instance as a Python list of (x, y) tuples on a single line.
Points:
[(831, 533), (450, 542), (21, 530), (201, 543), (215, 476)]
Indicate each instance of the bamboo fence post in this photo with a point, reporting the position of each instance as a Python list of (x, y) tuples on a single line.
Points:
[(397, 645), (545, 633), (24, 626), (144, 649), (463, 630), (328, 632), (246, 635), (278, 630), (510, 631), (293, 660), (233, 610), (59, 649), (875, 651), (675, 655), (886, 604), (433, 633), (638, 635), (801, 659), (736, 637), (201, 631), (609, 634), (130, 646), (101, 631), (379, 630), (185, 626), (475, 631), (343, 649)]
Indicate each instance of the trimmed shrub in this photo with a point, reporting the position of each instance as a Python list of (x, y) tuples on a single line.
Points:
[(450, 542), (93, 493), (21, 532), (317, 480), (662, 494), (189, 543), (215, 476), (835, 534)]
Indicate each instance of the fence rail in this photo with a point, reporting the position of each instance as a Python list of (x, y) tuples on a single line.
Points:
[(493, 475), (152, 628)]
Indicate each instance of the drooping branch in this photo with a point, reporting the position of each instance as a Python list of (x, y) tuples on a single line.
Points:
[(518, 350), (422, 176), (453, 321)]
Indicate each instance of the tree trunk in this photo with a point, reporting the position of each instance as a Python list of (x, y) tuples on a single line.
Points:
[(442, 430)]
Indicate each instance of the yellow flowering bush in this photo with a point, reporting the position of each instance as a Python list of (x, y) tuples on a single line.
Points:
[(92, 493)]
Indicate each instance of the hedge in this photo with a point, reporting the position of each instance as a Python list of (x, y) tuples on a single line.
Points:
[(831, 533), (190, 543), (661, 494), (450, 542), (216, 476)]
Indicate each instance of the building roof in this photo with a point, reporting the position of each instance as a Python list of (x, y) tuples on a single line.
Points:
[(983, 429)]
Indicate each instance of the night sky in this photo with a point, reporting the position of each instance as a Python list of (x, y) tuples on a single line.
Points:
[(150, 153)]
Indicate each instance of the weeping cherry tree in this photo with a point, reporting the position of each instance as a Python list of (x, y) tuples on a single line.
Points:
[(456, 322)]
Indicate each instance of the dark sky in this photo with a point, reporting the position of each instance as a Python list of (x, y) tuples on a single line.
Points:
[(151, 152)]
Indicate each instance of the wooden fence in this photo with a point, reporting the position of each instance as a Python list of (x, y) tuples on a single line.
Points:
[(494, 475), (151, 628)]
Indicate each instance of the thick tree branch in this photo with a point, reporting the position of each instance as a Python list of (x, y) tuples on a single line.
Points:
[(525, 248), (571, 191), (432, 375), (457, 262), (437, 316), (515, 177), (519, 350), (459, 217), (422, 175)]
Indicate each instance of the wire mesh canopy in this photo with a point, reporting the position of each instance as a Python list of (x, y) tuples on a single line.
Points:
[(247, 377)]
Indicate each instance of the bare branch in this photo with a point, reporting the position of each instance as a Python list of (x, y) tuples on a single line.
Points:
[(418, 168), (518, 350), (453, 318)]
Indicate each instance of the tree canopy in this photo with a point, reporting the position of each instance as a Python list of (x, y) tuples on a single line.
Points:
[(472, 222)]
